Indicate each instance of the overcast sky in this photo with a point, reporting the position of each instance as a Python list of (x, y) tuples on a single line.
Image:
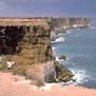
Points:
[(30, 8)]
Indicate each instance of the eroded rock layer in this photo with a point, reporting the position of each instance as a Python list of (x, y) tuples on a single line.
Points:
[(28, 43), (25, 49)]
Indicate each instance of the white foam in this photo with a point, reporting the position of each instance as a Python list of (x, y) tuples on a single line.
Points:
[(68, 31), (67, 59), (62, 60), (57, 59), (53, 48), (80, 76), (60, 39)]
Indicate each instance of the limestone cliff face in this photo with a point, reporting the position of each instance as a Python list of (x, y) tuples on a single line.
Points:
[(61, 24), (25, 49), (35, 45), (26, 42), (29, 47)]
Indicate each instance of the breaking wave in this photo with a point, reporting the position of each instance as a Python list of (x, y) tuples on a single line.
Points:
[(60, 39), (80, 76)]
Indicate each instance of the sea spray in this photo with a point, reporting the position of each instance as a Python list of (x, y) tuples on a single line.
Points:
[(60, 39)]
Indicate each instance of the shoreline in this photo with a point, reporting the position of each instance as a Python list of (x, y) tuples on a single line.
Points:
[(13, 85), (81, 76)]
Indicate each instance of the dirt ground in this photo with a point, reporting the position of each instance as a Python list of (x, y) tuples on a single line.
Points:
[(14, 85)]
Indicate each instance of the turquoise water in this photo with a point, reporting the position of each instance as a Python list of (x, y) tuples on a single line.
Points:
[(80, 48)]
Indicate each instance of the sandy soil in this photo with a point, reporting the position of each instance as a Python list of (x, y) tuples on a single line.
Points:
[(13, 85)]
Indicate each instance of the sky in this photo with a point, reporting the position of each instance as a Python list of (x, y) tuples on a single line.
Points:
[(47, 8)]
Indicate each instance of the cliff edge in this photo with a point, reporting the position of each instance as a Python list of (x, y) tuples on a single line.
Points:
[(25, 49)]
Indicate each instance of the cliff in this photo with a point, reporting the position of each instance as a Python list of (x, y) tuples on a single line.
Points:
[(61, 24), (25, 49), (26, 38)]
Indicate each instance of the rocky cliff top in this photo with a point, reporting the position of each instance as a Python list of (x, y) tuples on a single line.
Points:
[(23, 22)]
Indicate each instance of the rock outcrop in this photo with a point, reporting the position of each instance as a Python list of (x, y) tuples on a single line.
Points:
[(63, 74), (62, 57)]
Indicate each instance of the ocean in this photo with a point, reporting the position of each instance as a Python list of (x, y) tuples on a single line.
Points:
[(79, 46)]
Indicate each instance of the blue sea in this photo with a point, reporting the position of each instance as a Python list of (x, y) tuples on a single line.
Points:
[(79, 46)]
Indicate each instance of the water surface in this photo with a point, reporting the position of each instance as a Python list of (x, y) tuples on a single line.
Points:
[(80, 47)]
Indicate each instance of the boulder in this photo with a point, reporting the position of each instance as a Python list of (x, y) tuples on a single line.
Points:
[(63, 74), (62, 57)]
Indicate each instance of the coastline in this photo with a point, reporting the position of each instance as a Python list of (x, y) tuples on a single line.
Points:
[(82, 76), (13, 85)]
